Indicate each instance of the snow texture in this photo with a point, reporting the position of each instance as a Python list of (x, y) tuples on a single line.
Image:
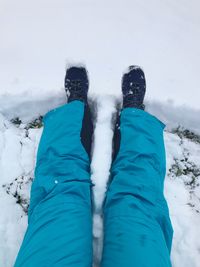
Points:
[(39, 37)]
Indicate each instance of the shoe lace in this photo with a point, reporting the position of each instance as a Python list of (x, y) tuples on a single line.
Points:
[(133, 97), (134, 89), (75, 86)]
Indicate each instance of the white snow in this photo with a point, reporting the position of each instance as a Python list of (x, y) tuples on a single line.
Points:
[(40, 38)]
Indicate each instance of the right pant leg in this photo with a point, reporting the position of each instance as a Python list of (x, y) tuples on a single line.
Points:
[(137, 227), (59, 232)]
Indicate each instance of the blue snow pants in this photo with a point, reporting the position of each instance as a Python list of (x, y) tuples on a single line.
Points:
[(137, 228)]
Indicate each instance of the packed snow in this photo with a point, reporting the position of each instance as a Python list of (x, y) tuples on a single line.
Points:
[(39, 38)]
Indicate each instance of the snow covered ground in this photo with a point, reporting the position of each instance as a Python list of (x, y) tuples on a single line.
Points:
[(38, 38)]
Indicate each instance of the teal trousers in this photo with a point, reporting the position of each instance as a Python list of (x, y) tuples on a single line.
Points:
[(137, 227)]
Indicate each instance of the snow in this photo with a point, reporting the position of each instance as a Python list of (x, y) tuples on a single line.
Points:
[(40, 38), (103, 135)]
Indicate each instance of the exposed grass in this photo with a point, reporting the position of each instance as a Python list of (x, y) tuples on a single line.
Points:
[(36, 123), (185, 133), (17, 188)]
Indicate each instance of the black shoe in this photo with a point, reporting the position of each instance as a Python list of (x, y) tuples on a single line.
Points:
[(133, 88), (76, 84)]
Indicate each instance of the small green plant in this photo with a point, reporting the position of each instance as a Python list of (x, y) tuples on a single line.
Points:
[(36, 123), (185, 133), (184, 167), (16, 189)]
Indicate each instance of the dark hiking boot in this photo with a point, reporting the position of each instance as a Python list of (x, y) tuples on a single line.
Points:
[(133, 88), (76, 84)]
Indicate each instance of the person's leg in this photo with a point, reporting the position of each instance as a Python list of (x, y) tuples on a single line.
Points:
[(137, 227), (59, 229)]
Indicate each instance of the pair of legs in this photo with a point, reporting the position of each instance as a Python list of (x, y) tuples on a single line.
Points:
[(137, 227)]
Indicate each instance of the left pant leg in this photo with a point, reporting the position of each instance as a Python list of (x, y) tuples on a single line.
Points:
[(59, 232)]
